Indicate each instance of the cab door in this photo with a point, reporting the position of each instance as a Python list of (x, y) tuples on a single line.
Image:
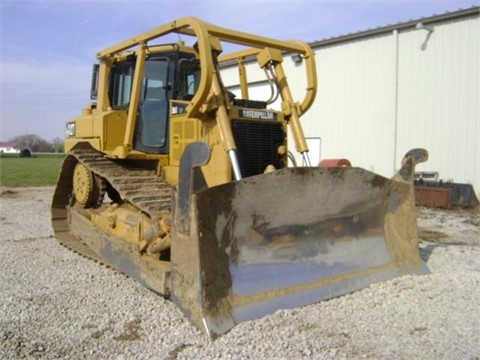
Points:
[(151, 133)]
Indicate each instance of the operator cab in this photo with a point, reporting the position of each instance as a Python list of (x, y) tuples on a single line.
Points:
[(167, 76)]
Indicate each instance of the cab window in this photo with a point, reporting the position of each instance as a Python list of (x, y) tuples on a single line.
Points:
[(188, 78), (121, 80)]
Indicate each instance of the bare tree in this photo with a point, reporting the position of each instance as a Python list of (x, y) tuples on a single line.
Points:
[(57, 145), (32, 142)]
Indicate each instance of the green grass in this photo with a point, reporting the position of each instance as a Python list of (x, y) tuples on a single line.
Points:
[(39, 169)]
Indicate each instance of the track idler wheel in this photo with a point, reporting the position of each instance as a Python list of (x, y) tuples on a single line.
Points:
[(88, 188)]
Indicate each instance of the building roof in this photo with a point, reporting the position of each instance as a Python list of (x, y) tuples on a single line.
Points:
[(8, 144), (474, 11)]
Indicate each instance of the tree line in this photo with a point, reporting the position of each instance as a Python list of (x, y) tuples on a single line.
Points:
[(36, 143)]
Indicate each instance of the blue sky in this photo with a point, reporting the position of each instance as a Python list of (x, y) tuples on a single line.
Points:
[(47, 47)]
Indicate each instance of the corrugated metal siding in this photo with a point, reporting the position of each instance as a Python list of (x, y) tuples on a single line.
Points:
[(439, 95), (382, 95), (355, 102)]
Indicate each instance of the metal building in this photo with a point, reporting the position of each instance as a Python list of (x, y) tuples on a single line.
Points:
[(390, 89)]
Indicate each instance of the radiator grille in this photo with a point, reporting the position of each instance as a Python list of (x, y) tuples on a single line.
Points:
[(257, 144)]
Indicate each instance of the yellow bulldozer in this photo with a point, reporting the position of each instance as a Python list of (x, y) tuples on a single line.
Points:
[(176, 182)]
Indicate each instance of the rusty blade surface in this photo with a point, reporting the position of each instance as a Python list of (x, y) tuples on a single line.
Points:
[(295, 237)]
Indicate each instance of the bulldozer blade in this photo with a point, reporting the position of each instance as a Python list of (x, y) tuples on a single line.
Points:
[(291, 238)]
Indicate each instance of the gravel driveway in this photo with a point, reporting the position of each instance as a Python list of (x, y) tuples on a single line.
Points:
[(55, 304)]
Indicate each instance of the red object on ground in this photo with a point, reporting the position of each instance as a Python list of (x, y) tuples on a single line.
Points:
[(335, 163)]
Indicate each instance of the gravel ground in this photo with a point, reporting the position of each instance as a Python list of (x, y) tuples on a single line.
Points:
[(56, 304)]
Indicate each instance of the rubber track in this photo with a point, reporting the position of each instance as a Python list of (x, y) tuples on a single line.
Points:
[(140, 187)]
